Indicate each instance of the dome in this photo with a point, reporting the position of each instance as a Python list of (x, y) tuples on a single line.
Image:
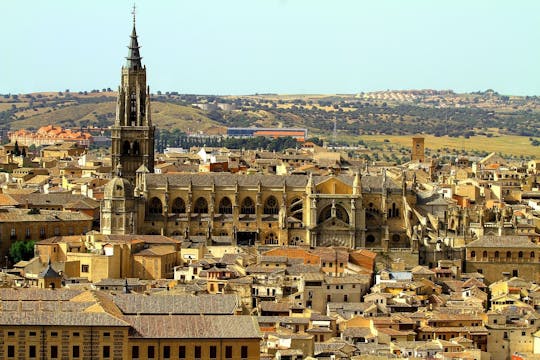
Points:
[(118, 188)]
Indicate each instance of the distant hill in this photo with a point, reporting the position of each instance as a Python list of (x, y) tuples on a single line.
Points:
[(437, 113)]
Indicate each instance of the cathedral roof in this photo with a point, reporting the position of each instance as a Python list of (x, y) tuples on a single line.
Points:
[(118, 188), (369, 183)]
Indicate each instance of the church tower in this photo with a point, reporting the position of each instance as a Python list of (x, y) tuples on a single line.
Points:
[(133, 133)]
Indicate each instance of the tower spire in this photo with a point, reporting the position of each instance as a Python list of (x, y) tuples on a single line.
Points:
[(134, 57)]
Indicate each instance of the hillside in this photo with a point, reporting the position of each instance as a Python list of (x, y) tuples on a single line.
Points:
[(390, 113)]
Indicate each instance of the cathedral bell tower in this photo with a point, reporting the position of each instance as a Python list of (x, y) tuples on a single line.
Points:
[(133, 133)]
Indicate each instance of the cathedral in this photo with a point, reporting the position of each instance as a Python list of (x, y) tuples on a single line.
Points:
[(355, 210)]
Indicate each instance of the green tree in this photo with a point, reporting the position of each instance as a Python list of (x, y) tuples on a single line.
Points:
[(21, 250), (16, 150)]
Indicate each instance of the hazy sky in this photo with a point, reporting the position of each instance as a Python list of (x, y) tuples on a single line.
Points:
[(278, 46)]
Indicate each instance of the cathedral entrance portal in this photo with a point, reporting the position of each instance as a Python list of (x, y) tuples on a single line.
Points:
[(246, 238)]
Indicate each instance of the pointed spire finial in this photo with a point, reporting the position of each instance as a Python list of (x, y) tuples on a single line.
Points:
[(134, 57), (133, 12)]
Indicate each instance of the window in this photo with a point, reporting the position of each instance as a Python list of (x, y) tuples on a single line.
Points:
[(54, 352), (197, 352), (225, 206), (155, 208), (106, 334), (248, 207), (515, 273), (54, 334), (135, 352), (106, 351), (473, 253), (228, 352), (56, 231), (201, 206), (496, 254), (76, 351), (85, 268), (271, 206), (11, 333), (76, 333), (178, 206), (166, 352), (182, 352), (508, 254), (520, 254), (484, 254), (244, 352), (151, 352), (11, 351), (213, 351), (32, 351), (532, 254), (32, 333)]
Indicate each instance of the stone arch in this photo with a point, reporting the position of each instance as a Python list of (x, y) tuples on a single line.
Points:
[(178, 206), (201, 206), (248, 206), (340, 213), (271, 206), (155, 206), (225, 206)]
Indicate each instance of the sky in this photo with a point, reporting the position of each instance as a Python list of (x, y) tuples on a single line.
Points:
[(274, 46)]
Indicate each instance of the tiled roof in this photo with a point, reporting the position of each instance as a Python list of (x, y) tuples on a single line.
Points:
[(195, 326), (370, 183), (177, 304), (509, 241), (34, 294), (55, 318), (20, 215)]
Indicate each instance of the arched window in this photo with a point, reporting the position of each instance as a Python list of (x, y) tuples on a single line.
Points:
[(520, 254), (484, 254), (178, 206), (370, 239), (532, 255), (248, 207), (126, 147), (271, 239), (340, 212), (201, 206), (225, 206), (297, 209), (473, 254), (508, 254), (136, 148), (271, 206), (496, 254), (156, 207), (394, 211)]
